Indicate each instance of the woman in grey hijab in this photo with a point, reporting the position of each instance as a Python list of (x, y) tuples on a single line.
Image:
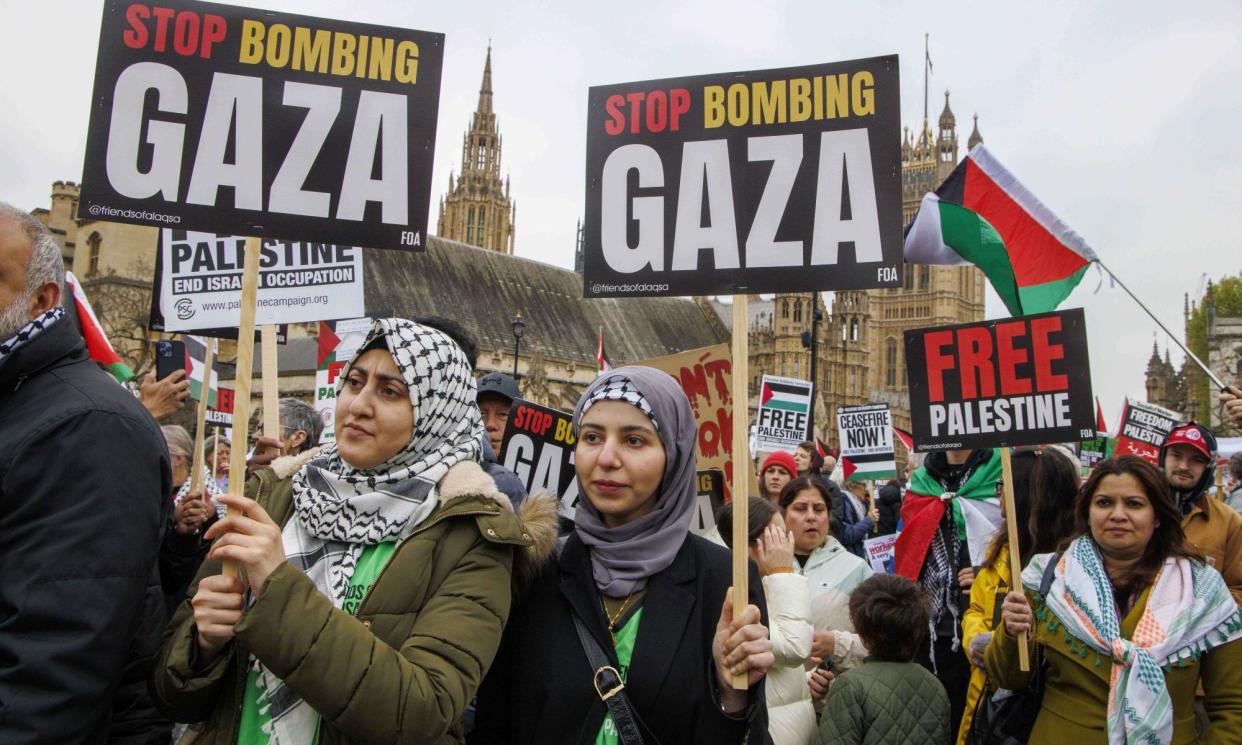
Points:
[(632, 583)]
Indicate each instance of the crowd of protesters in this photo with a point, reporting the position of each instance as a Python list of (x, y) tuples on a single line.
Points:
[(398, 584)]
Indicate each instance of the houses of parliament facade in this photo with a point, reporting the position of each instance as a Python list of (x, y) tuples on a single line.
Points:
[(860, 338)]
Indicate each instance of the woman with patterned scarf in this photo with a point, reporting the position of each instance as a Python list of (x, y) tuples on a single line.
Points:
[(631, 584), (376, 578), (1130, 624)]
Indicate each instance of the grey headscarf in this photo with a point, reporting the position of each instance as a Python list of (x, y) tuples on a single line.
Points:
[(623, 558)]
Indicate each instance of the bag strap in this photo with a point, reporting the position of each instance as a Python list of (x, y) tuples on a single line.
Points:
[(1045, 582), (609, 687)]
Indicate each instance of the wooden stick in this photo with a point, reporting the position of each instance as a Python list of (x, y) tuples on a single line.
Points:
[(200, 419), (270, 382), (241, 382), (1015, 561), (215, 455), (741, 465)]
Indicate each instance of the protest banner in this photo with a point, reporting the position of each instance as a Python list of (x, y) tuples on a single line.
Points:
[(761, 181), (879, 551), (705, 376), (866, 434), (230, 119), (710, 500), (538, 446), (198, 275), (338, 342), (1091, 452), (784, 405), (222, 413), (1018, 381), (1143, 429)]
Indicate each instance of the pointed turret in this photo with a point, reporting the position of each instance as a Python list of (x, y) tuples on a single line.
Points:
[(947, 120), (485, 90), (975, 137)]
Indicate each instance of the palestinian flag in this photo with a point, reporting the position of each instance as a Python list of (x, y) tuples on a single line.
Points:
[(906, 438), (877, 467), (97, 343), (785, 394), (601, 357), (196, 369), (1101, 426), (984, 216), (824, 450), (975, 508)]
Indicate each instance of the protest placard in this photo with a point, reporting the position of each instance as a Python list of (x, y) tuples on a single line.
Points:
[(705, 375), (229, 119), (784, 407), (538, 446), (338, 342), (222, 412), (866, 442), (710, 499), (198, 277), (761, 181), (1018, 381), (1143, 429), (879, 551), (1091, 452)]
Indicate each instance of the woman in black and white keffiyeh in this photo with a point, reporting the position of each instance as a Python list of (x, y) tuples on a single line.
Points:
[(404, 465)]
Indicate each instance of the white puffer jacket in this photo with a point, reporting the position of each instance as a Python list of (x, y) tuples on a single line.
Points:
[(791, 717), (832, 573)]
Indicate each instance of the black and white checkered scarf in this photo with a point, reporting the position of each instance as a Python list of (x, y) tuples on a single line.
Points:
[(27, 333), (340, 510)]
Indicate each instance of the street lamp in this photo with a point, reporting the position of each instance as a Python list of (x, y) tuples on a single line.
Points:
[(518, 326)]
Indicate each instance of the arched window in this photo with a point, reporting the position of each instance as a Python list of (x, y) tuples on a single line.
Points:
[(470, 226), (854, 329), (783, 368), (92, 260), (908, 280), (478, 230), (797, 310), (795, 368), (784, 309), (924, 277), (890, 363)]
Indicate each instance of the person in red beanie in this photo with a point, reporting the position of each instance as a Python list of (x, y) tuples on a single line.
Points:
[(1213, 528), (777, 470)]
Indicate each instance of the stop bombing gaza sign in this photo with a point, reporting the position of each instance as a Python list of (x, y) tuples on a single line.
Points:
[(232, 120), (763, 181)]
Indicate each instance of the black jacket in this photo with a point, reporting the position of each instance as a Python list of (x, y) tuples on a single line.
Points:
[(888, 504), (539, 690), (84, 479)]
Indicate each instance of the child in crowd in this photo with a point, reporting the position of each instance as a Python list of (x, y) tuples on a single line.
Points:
[(889, 698)]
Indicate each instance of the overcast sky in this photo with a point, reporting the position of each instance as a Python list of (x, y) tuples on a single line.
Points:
[(1122, 117)]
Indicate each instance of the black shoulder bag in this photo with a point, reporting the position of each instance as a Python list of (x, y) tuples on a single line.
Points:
[(1010, 720), (611, 689)]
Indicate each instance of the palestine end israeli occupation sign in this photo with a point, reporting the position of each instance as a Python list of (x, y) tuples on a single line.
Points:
[(538, 446), (762, 181), (1143, 429), (1020, 381), (228, 119), (198, 281), (866, 442), (784, 411)]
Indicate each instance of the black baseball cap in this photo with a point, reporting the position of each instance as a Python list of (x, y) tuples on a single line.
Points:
[(499, 384)]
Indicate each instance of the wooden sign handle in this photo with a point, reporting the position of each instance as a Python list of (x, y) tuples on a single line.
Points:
[(1015, 561), (200, 420), (741, 465), (241, 383), (270, 382)]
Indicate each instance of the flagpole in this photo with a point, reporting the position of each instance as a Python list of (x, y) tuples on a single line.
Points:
[(200, 418), (1189, 354)]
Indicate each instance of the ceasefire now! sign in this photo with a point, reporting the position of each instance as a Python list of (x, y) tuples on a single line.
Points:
[(235, 120)]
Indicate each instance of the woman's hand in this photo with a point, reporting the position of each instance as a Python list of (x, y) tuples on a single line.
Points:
[(1016, 614), (966, 578), (741, 646), (248, 536), (977, 645), (190, 513), (217, 607), (823, 645), (819, 680), (775, 551)]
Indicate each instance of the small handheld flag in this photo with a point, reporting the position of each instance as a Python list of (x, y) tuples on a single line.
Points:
[(97, 344)]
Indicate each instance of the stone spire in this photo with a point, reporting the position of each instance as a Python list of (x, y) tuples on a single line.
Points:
[(975, 137), (485, 90)]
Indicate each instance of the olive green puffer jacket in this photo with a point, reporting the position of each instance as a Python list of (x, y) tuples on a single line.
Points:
[(402, 670)]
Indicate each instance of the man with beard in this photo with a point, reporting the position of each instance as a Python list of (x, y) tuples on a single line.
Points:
[(84, 484), (1213, 528)]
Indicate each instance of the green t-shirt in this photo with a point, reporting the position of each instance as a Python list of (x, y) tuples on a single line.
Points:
[(370, 564), (626, 636)]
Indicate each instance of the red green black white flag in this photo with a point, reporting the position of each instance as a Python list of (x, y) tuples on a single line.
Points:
[(984, 216), (97, 344)]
